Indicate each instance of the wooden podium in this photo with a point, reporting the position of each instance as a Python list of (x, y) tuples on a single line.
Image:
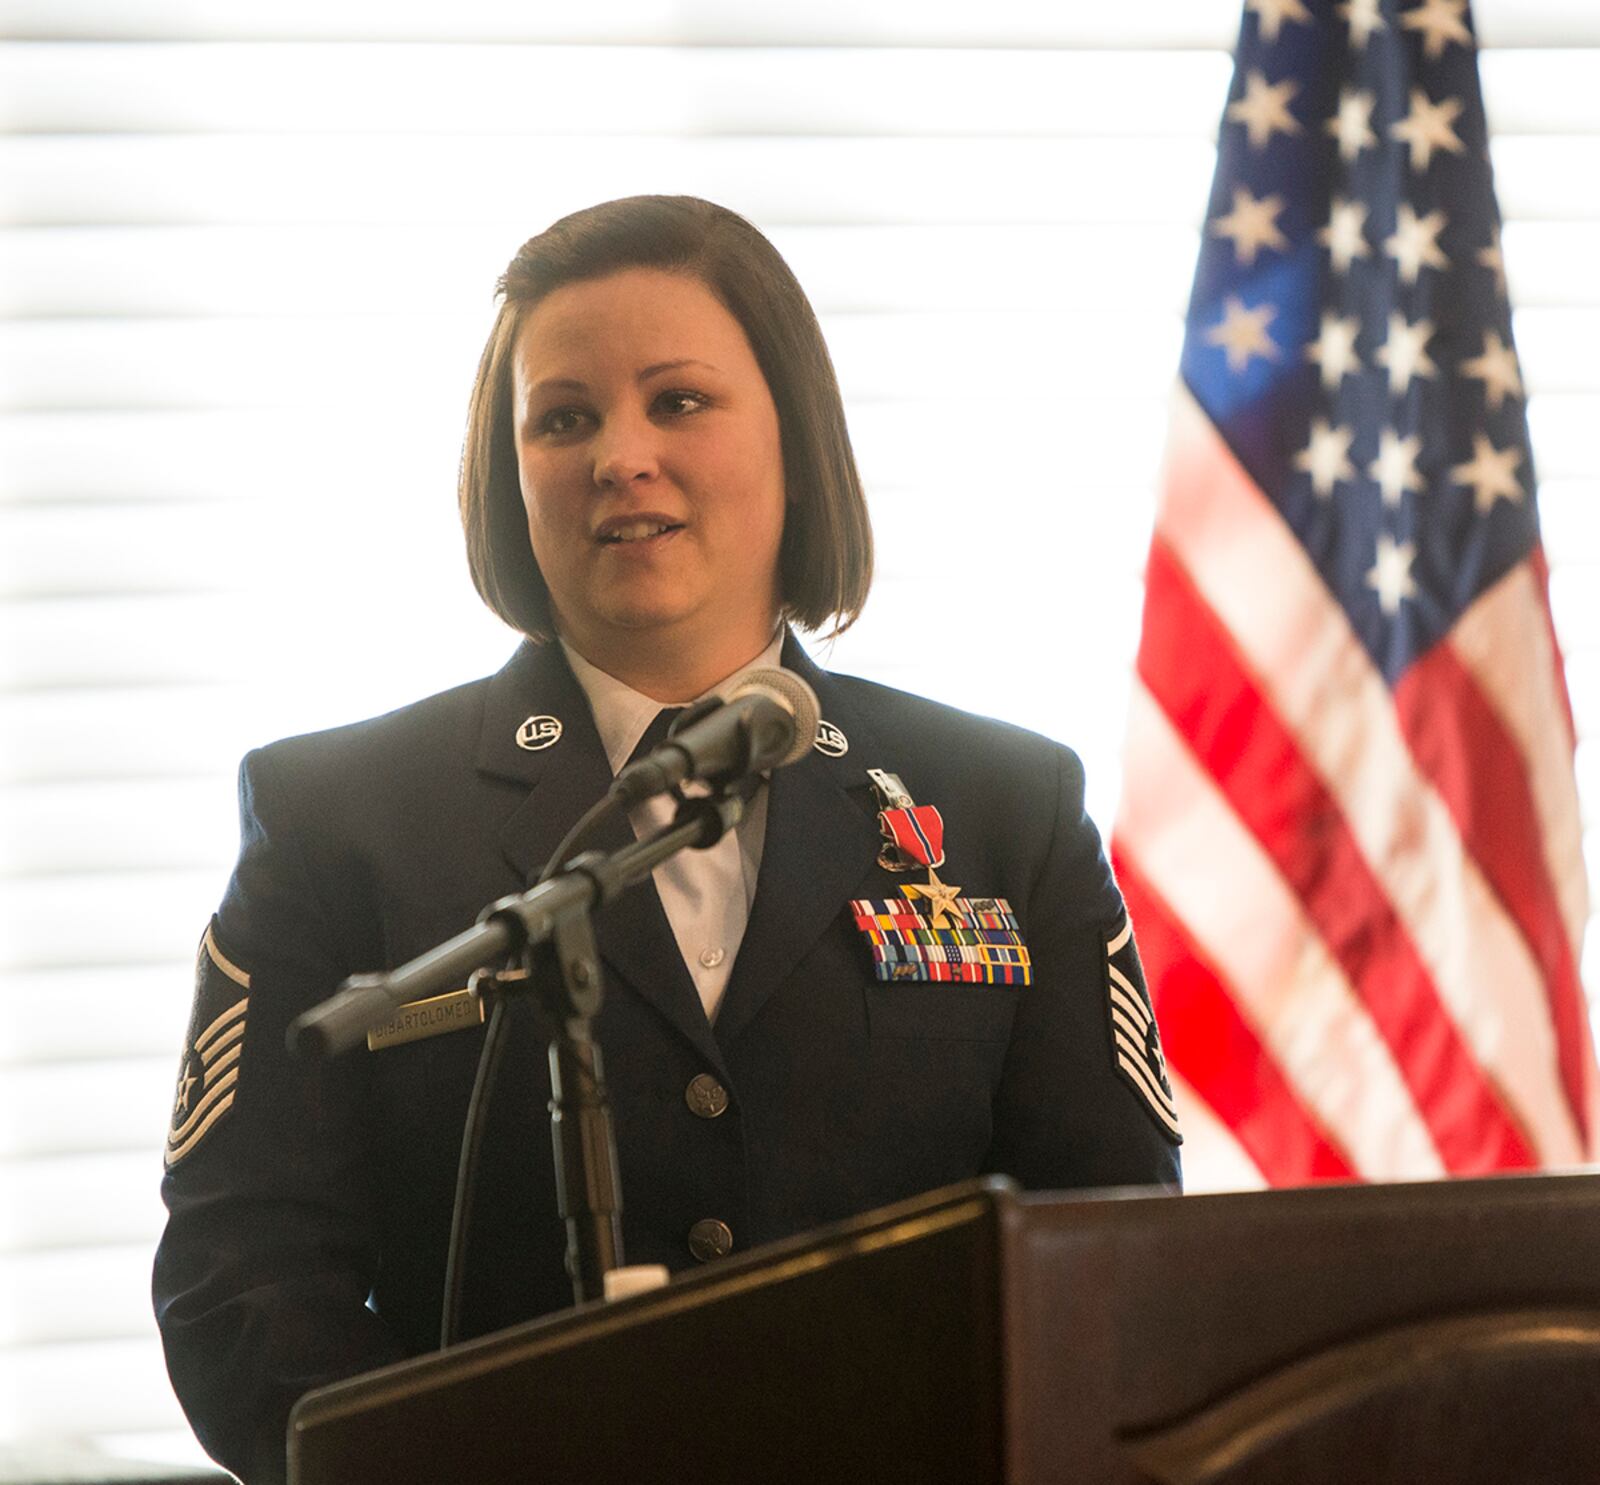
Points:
[(1445, 1332)]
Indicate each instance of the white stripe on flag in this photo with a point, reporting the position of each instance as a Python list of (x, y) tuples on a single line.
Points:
[(1241, 914), (1258, 580)]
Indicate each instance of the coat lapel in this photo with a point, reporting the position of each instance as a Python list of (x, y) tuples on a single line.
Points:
[(821, 844), (563, 779)]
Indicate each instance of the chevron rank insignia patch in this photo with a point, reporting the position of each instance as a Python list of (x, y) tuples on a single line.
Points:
[(210, 1069), (1135, 1041)]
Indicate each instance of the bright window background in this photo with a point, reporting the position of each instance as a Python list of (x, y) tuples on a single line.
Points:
[(246, 260)]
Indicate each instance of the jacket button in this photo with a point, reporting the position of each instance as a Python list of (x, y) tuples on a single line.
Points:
[(705, 1096), (709, 1239)]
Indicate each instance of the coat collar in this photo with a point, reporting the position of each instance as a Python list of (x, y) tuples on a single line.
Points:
[(563, 779), (821, 839)]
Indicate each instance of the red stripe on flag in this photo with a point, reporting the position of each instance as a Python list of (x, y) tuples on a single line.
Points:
[(1219, 1054), (1468, 755), (1192, 667)]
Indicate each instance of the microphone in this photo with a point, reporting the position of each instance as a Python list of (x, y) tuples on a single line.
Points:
[(768, 720)]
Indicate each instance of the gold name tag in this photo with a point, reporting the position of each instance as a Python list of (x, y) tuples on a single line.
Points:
[(432, 1017)]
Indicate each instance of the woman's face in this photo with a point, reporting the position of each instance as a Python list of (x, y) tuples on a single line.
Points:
[(651, 469)]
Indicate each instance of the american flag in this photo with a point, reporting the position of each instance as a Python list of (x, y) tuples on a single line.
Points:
[(1349, 835)]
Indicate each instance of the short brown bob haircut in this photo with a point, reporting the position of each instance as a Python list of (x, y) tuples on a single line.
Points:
[(825, 561)]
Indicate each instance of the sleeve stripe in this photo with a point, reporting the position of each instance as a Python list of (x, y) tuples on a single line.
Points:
[(1133, 1069), (175, 1153), (1128, 998), (234, 1012), (225, 964), (1128, 1053), (215, 1069), (212, 1094), (1123, 935)]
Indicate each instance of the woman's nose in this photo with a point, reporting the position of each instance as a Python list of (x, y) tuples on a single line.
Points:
[(625, 452)]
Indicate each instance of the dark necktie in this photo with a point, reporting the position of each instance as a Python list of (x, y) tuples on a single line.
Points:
[(656, 733)]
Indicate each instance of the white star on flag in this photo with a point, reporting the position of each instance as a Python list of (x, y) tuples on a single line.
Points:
[(1442, 23), (1334, 349), (1343, 236), (1274, 13), (1264, 109), (1242, 332), (1428, 127), (1494, 260), (1352, 124), (1415, 244), (1497, 369), (1491, 472), (1390, 576), (1395, 468), (1363, 19), (1405, 352), (1327, 457), (1251, 225)]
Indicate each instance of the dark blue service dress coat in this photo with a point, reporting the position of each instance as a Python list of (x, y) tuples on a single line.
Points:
[(310, 1204)]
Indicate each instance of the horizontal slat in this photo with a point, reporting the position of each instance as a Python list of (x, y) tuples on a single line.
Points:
[(103, 1014), (464, 90), (105, 919), (164, 824), (399, 364), (931, 445), (69, 1200), (1210, 23), (428, 269), (76, 1294), (93, 1107), (61, 179), (122, 733), (713, 22), (1569, 519), (71, 1390), (166, 454), (328, 643), (64, 179)]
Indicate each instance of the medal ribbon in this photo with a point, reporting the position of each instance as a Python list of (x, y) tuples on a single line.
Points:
[(917, 831)]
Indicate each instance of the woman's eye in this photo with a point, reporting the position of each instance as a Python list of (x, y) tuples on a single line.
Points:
[(677, 404), (561, 420)]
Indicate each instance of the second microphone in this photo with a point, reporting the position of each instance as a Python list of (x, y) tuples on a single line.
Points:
[(768, 720)]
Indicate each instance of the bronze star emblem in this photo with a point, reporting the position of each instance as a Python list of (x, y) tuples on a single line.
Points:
[(941, 897)]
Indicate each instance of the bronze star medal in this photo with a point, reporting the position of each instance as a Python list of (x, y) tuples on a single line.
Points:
[(941, 899)]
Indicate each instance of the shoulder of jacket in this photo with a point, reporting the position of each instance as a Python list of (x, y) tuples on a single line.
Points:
[(407, 737), (903, 717)]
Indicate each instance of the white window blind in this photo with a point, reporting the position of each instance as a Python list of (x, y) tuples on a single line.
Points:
[(246, 259)]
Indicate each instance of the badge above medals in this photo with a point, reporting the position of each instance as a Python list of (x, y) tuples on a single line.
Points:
[(932, 932)]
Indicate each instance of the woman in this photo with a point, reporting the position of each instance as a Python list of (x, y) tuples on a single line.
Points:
[(656, 481)]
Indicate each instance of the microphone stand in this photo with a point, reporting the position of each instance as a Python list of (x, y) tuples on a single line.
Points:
[(548, 927)]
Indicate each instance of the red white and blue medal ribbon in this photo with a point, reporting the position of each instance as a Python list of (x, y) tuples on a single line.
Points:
[(916, 832)]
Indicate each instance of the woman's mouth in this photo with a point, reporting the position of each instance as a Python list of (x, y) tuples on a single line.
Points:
[(623, 533)]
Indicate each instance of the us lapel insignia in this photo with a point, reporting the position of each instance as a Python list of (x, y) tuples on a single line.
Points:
[(830, 740), (209, 1073), (537, 733), (1136, 1053)]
